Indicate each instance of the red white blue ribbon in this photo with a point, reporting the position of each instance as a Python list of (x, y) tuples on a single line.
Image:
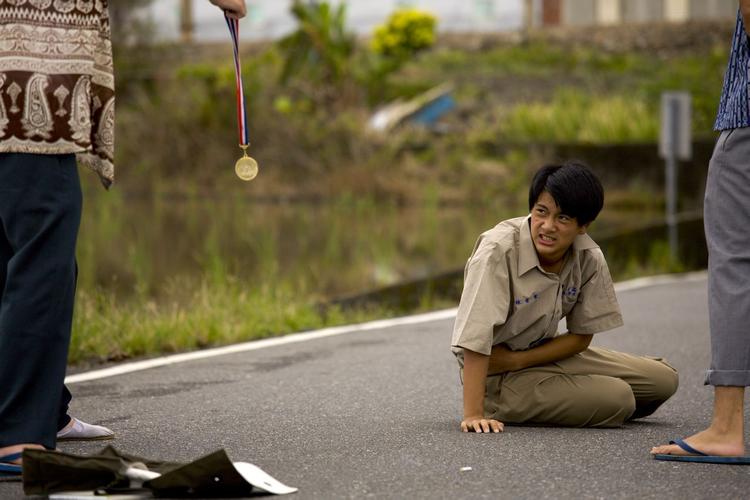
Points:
[(234, 30)]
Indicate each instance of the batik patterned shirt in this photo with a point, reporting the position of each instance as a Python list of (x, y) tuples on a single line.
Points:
[(734, 107), (56, 81)]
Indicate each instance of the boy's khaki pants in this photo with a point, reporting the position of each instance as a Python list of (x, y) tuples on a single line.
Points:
[(596, 388)]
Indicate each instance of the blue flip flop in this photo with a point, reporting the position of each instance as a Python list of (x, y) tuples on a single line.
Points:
[(9, 470), (699, 456)]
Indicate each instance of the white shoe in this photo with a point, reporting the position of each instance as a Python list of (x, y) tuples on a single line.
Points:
[(81, 431)]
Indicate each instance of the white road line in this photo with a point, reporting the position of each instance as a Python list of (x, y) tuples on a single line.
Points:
[(663, 279), (330, 332), (259, 344)]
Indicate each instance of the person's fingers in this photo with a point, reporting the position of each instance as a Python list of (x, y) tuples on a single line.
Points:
[(482, 426), (236, 9), (239, 9)]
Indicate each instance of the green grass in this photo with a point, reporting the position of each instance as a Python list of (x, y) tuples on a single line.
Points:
[(108, 330), (553, 93), (191, 272), (658, 261), (576, 117), (536, 59)]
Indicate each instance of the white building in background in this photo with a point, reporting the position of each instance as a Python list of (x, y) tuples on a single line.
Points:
[(268, 19), (609, 12)]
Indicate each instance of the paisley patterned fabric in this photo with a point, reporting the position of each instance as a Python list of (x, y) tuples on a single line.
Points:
[(56, 82)]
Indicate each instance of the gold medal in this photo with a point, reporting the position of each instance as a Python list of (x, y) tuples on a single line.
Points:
[(246, 167)]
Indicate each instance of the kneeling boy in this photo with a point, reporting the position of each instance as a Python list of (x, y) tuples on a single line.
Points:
[(523, 277)]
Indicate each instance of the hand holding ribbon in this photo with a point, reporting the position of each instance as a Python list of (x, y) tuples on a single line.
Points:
[(234, 9)]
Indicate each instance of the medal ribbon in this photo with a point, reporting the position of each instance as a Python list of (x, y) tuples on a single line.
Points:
[(234, 30)]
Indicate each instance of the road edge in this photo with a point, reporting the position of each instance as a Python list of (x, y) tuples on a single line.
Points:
[(253, 345)]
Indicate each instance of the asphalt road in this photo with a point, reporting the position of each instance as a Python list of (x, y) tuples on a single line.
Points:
[(375, 414)]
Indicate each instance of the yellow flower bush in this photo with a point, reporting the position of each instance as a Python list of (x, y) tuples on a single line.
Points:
[(406, 32)]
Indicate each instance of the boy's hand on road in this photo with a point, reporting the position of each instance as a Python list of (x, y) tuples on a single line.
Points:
[(481, 425)]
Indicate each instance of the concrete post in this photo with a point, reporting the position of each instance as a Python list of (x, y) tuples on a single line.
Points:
[(675, 143), (608, 12), (186, 21), (677, 11)]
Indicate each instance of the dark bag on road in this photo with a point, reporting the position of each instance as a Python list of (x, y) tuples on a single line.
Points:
[(111, 471)]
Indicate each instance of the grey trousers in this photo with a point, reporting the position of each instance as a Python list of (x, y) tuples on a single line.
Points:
[(727, 226)]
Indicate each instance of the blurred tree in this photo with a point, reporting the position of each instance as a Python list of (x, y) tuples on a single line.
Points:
[(320, 50), (128, 24), (133, 32)]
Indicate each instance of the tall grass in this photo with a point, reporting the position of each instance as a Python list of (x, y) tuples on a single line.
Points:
[(535, 92), (659, 260), (166, 274), (216, 308), (575, 116), (107, 329), (195, 273)]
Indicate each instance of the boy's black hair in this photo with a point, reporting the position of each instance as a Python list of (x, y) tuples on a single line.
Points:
[(574, 187)]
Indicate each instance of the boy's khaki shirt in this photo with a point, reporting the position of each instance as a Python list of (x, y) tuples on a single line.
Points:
[(509, 299)]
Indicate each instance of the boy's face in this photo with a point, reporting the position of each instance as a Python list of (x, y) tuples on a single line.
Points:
[(552, 232)]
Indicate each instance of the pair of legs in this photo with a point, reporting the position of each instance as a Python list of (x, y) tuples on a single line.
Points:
[(726, 212), (40, 210), (596, 388)]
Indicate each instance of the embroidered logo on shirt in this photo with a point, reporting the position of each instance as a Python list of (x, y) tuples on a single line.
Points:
[(527, 300), (569, 292)]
